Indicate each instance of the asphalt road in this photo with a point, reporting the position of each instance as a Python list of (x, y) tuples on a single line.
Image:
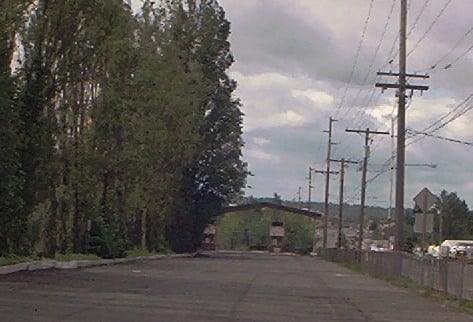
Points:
[(221, 287)]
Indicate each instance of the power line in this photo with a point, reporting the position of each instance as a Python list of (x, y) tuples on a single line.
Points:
[(433, 66), (368, 72), (356, 58), (455, 113), (416, 20), (362, 122), (440, 137), (429, 28), (361, 118), (393, 46), (435, 126), (459, 57)]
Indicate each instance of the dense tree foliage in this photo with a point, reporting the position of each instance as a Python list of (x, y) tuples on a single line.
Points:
[(12, 183), (118, 130), (457, 220)]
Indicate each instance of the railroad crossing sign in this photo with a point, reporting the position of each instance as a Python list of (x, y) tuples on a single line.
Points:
[(425, 199)]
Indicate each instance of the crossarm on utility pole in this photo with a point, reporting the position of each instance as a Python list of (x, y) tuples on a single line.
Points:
[(340, 206), (327, 180), (367, 133), (402, 86)]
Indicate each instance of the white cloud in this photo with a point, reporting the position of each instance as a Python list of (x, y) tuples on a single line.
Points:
[(260, 141), (275, 100), (460, 128), (287, 118), (260, 155), (322, 99)]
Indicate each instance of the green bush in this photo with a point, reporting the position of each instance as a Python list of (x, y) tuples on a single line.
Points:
[(14, 259), (106, 240), (137, 252)]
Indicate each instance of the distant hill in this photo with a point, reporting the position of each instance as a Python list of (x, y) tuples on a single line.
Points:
[(351, 213)]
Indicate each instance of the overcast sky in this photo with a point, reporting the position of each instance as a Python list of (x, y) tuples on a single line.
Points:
[(299, 62)]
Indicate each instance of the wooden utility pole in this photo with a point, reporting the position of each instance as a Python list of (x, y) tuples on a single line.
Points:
[(401, 131), (391, 170), (325, 219), (327, 179), (401, 123), (310, 189), (363, 179), (314, 222), (340, 206)]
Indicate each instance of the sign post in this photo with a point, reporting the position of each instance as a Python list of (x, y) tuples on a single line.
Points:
[(424, 200)]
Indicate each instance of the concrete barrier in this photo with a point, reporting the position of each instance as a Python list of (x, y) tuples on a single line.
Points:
[(13, 268), (43, 264), (66, 265), (75, 264)]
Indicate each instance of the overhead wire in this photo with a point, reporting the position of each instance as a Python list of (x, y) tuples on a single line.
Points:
[(357, 55), (395, 42), (357, 119), (370, 95), (375, 54), (417, 18), (386, 165), (439, 137), (433, 67), (452, 115), (459, 57), (435, 126), (429, 28), (438, 122)]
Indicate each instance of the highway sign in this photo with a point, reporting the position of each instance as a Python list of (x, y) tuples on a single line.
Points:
[(425, 199), (419, 223)]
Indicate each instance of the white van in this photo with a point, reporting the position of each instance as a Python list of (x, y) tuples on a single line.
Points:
[(459, 247)]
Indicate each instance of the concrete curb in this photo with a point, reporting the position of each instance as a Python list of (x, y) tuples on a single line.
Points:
[(75, 264)]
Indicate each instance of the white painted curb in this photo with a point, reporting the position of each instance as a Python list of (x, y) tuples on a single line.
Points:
[(74, 264)]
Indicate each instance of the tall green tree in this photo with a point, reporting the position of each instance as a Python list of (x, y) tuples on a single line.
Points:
[(167, 107), (12, 216), (457, 220), (217, 172), (38, 114)]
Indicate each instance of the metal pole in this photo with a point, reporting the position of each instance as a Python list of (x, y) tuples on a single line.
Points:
[(424, 215), (440, 225), (401, 127)]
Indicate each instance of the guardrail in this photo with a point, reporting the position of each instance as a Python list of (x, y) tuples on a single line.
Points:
[(453, 277)]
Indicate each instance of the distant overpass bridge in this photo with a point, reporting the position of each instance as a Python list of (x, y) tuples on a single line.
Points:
[(209, 242), (262, 205)]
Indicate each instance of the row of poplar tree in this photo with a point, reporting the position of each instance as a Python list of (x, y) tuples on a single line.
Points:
[(118, 129)]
